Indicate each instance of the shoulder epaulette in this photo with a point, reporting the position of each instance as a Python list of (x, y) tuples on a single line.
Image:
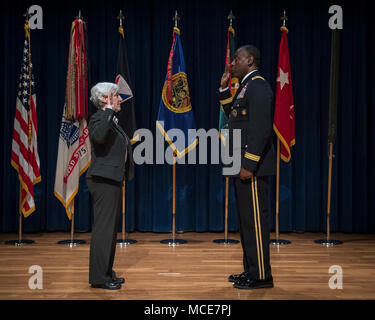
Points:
[(257, 77)]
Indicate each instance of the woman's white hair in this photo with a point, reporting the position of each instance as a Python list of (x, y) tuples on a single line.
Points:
[(102, 89)]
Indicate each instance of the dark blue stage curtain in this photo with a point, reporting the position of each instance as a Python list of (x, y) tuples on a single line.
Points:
[(200, 188)]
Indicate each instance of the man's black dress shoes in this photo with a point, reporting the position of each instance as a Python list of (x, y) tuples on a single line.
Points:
[(236, 277), (118, 280), (108, 286), (249, 284)]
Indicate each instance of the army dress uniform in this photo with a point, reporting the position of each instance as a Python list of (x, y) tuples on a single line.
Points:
[(250, 110)]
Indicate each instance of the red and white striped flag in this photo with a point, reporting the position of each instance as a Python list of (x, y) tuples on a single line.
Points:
[(25, 158)]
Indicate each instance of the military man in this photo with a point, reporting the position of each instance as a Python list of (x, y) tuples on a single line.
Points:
[(250, 110)]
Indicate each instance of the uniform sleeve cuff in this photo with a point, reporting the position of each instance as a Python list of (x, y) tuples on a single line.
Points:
[(250, 161), (251, 156)]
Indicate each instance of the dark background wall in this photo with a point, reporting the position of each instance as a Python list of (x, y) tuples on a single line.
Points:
[(200, 188)]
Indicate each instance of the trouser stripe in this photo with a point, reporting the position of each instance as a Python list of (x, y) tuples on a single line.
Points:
[(259, 228), (256, 225)]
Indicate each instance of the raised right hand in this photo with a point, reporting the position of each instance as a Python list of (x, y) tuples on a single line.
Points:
[(110, 99), (225, 78)]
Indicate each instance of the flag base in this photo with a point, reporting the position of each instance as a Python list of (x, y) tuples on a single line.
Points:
[(173, 242), (18, 243), (328, 243), (225, 241), (71, 243), (279, 242), (126, 242)]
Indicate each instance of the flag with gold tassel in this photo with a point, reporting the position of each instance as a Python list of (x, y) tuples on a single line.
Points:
[(284, 105), (24, 156), (233, 83), (74, 151), (175, 110)]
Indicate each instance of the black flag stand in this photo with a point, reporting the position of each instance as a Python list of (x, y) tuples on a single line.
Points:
[(332, 122)]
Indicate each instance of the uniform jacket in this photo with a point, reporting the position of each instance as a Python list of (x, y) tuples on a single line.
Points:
[(109, 146), (251, 111)]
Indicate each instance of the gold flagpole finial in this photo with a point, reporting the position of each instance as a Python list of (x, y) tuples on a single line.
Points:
[(231, 17), (176, 18), (120, 28), (284, 18), (120, 17), (26, 26)]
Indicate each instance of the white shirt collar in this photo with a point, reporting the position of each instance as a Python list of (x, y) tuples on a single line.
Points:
[(248, 75)]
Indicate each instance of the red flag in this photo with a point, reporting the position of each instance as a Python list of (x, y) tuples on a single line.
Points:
[(283, 122), (24, 157)]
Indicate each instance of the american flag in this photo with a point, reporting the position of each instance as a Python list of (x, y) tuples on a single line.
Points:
[(25, 158)]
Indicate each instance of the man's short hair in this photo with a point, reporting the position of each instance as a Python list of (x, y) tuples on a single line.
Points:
[(254, 52)]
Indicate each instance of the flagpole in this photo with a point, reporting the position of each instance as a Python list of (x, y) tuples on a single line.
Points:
[(226, 209), (174, 200), (20, 229), (19, 242), (72, 242), (329, 190), (123, 211), (277, 189), (173, 242), (124, 242), (328, 242), (20, 219), (278, 241), (226, 241), (72, 227), (333, 100)]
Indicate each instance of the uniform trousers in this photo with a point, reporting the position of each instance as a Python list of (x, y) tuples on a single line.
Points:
[(252, 208), (106, 195)]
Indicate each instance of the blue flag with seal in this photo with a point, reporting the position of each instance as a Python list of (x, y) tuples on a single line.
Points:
[(175, 110)]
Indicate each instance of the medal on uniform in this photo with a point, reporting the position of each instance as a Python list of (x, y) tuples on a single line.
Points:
[(242, 93)]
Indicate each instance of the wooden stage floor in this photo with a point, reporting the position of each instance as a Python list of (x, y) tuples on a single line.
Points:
[(197, 270)]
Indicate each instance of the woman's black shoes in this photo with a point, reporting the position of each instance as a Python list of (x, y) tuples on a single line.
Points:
[(108, 286)]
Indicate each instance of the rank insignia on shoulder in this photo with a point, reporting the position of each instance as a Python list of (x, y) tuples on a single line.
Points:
[(257, 77), (242, 93)]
